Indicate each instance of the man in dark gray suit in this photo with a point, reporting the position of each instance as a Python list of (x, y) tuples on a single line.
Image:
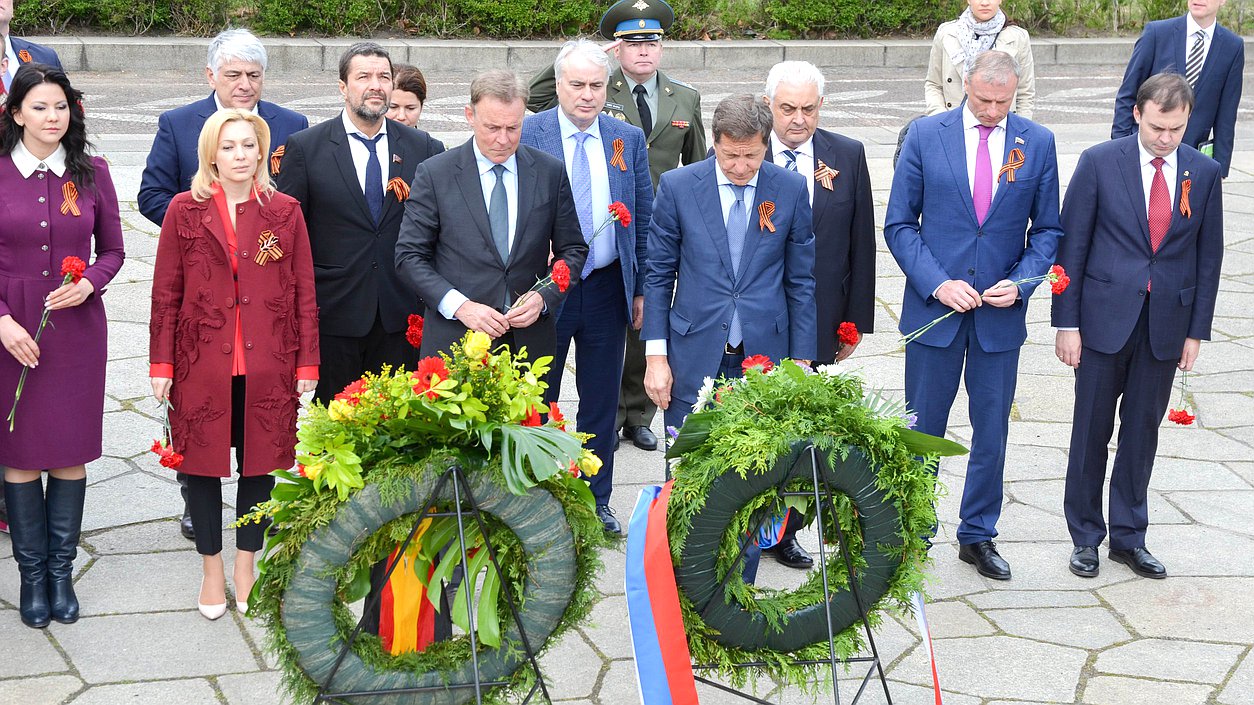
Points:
[(480, 225)]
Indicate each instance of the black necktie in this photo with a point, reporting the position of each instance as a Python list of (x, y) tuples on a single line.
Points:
[(374, 176), (646, 115)]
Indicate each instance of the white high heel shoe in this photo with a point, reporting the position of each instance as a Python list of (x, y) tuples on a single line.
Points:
[(241, 605), (210, 612)]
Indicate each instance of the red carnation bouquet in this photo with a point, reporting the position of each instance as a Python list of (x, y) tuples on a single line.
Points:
[(72, 269), (1056, 276), (164, 447), (413, 333), (1182, 416), (847, 334)]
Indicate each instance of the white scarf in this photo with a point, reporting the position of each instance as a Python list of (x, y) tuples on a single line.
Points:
[(975, 37)]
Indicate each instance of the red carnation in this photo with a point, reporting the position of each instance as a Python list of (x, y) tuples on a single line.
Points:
[(431, 371), (761, 362), (156, 447), (1058, 279), (414, 333), (619, 212), (847, 334), (555, 415), (561, 275), (1181, 416), (533, 417), (73, 267), (352, 393), (171, 459)]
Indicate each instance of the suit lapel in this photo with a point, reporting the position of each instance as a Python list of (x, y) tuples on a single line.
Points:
[(348, 172), (396, 170), (707, 192), (955, 147), (822, 197), (1015, 128), (1130, 166), (620, 93), (619, 186), (526, 197), (1180, 41), (754, 233), (665, 106), (468, 182)]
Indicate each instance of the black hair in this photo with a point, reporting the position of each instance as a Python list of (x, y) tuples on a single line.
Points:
[(28, 76)]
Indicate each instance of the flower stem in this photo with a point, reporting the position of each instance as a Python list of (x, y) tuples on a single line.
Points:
[(21, 381)]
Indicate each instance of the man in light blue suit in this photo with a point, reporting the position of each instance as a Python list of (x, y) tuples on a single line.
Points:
[(973, 209), (236, 70), (606, 162), (1212, 60)]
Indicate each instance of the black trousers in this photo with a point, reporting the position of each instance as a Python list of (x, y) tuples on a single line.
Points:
[(346, 359), (204, 494)]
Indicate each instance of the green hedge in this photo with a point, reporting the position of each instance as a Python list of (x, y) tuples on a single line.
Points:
[(696, 19)]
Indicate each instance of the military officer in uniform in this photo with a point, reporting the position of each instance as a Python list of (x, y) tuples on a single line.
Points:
[(669, 113)]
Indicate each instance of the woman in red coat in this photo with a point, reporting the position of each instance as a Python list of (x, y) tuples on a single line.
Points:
[(234, 337)]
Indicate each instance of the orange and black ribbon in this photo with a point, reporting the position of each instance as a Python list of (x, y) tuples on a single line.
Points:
[(617, 159), (398, 187), (1013, 161), (276, 159), (1185, 209), (764, 215), (70, 205), (24, 56), (267, 248), (825, 175)]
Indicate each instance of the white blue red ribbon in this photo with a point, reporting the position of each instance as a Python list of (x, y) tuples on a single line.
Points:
[(925, 632)]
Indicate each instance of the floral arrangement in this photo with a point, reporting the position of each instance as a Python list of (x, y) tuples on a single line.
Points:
[(744, 427), (72, 269), (477, 407)]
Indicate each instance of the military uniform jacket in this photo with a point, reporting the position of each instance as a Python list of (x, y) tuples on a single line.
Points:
[(678, 135)]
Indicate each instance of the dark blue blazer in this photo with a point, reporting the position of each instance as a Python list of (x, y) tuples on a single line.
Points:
[(39, 54), (931, 229), (1160, 48), (690, 290), (1108, 256), (633, 187), (173, 160)]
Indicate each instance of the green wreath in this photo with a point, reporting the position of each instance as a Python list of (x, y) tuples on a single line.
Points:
[(734, 456)]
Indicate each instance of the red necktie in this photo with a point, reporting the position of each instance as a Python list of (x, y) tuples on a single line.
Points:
[(1159, 208)]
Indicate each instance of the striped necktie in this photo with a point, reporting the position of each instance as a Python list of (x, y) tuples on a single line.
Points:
[(1193, 65), (791, 156)]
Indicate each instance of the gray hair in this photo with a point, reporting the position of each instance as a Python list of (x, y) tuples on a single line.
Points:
[(238, 44), (500, 84), (794, 73), (585, 49), (741, 117), (993, 66), (1168, 90)]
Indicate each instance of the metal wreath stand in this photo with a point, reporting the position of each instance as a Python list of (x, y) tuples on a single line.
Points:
[(461, 488), (821, 499)]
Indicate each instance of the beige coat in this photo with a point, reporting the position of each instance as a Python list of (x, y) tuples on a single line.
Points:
[(943, 89)]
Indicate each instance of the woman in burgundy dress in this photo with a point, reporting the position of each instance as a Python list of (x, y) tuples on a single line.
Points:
[(233, 337), (55, 200)]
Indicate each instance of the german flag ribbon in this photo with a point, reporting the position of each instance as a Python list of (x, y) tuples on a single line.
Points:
[(825, 175), (617, 160), (399, 188), (1013, 161), (24, 56), (267, 248), (70, 205), (276, 158), (1185, 187), (764, 215)]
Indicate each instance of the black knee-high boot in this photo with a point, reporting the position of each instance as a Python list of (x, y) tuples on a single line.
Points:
[(65, 522), (28, 528)]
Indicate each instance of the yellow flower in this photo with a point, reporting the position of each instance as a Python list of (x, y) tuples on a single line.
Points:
[(313, 471), (340, 410), (589, 463), (477, 345)]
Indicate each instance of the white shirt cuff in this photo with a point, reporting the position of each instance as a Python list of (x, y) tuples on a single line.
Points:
[(1062, 328), (655, 347), (452, 301)]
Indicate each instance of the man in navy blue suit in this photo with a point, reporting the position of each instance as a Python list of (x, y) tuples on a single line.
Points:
[(606, 162), (1144, 223), (19, 51), (236, 71), (973, 210), (1210, 57)]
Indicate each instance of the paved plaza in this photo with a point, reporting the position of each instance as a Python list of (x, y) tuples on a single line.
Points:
[(1044, 637)]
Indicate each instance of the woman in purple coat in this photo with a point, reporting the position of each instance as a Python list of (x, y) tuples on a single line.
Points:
[(55, 200)]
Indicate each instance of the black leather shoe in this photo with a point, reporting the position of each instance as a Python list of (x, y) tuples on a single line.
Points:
[(606, 515), (641, 436), (987, 561), (791, 554), (617, 440), (1141, 561), (1084, 561)]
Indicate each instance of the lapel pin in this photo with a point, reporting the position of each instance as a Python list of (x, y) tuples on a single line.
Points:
[(617, 160), (267, 248), (1185, 186), (825, 175), (1019, 140), (764, 215), (396, 159)]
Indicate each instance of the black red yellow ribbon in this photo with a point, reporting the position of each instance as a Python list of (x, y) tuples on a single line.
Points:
[(764, 215), (1013, 161), (825, 175), (617, 159), (276, 159), (70, 205), (399, 188), (1185, 187), (267, 248)]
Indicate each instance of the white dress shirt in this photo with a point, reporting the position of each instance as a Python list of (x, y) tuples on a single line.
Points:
[(603, 250), (726, 198), (28, 163), (487, 181), (805, 160), (361, 155), (1191, 28), (220, 106)]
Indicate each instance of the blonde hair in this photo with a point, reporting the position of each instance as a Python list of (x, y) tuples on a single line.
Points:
[(207, 148)]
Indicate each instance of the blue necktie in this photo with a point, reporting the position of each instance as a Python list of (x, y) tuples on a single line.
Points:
[(498, 214), (791, 156), (374, 176), (737, 224), (581, 189)]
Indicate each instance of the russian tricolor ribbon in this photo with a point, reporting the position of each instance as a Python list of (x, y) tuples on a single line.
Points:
[(925, 632), (70, 205), (658, 642), (617, 159)]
